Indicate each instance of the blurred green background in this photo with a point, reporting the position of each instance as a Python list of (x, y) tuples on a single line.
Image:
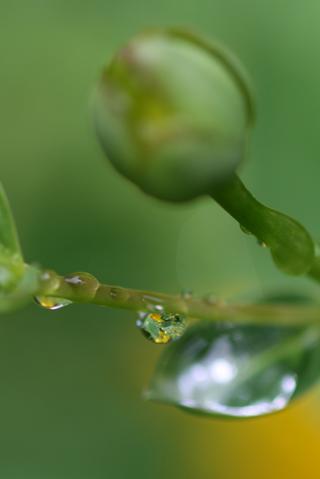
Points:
[(71, 381)]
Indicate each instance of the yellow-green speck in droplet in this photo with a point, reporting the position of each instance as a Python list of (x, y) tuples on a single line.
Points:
[(161, 328), (51, 303)]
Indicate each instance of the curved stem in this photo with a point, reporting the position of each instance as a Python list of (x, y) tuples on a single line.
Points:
[(291, 246), (84, 288)]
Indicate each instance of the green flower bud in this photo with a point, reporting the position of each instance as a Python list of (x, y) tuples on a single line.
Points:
[(173, 112)]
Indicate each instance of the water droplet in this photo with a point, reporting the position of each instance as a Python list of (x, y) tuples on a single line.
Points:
[(245, 230), (186, 294), (262, 244), (161, 327), (49, 281), (51, 303), (141, 315), (113, 293), (238, 371), (74, 279), (157, 308), (153, 303), (84, 285)]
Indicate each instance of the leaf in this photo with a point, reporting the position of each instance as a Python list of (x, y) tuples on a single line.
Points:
[(8, 234), (18, 282), (223, 369), (11, 260)]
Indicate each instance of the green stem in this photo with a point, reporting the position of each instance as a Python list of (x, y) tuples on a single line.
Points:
[(84, 288), (291, 246)]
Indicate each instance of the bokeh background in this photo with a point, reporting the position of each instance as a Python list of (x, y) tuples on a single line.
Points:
[(71, 381)]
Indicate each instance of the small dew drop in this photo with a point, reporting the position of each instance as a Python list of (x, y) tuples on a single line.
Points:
[(84, 286), (157, 308), (161, 327), (262, 244), (76, 279), (113, 293), (52, 304), (141, 315), (153, 303)]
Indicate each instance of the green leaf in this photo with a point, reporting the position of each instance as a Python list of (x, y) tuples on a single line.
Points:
[(18, 282), (11, 261), (8, 234), (223, 369)]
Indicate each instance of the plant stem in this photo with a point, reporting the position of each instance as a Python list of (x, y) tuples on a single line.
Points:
[(291, 246), (79, 288)]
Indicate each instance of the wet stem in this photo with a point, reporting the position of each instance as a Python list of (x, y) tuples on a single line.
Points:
[(84, 288), (291, 247)]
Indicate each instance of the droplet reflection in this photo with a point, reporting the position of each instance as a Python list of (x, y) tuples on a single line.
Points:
[(239, 371), (51, 303), (161, 327)]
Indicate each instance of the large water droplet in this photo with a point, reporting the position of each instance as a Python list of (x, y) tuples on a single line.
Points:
[(237, 371), (51, 303), (161, 327)]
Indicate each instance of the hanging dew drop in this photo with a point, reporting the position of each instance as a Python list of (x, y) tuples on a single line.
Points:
[(247, 232), (240, 371), (161, 327), (52, 304), (158, 308)]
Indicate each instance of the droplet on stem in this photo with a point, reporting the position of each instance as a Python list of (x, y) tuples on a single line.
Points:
[(161, 327), (233, 370), (84, 285), (52, 303)]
